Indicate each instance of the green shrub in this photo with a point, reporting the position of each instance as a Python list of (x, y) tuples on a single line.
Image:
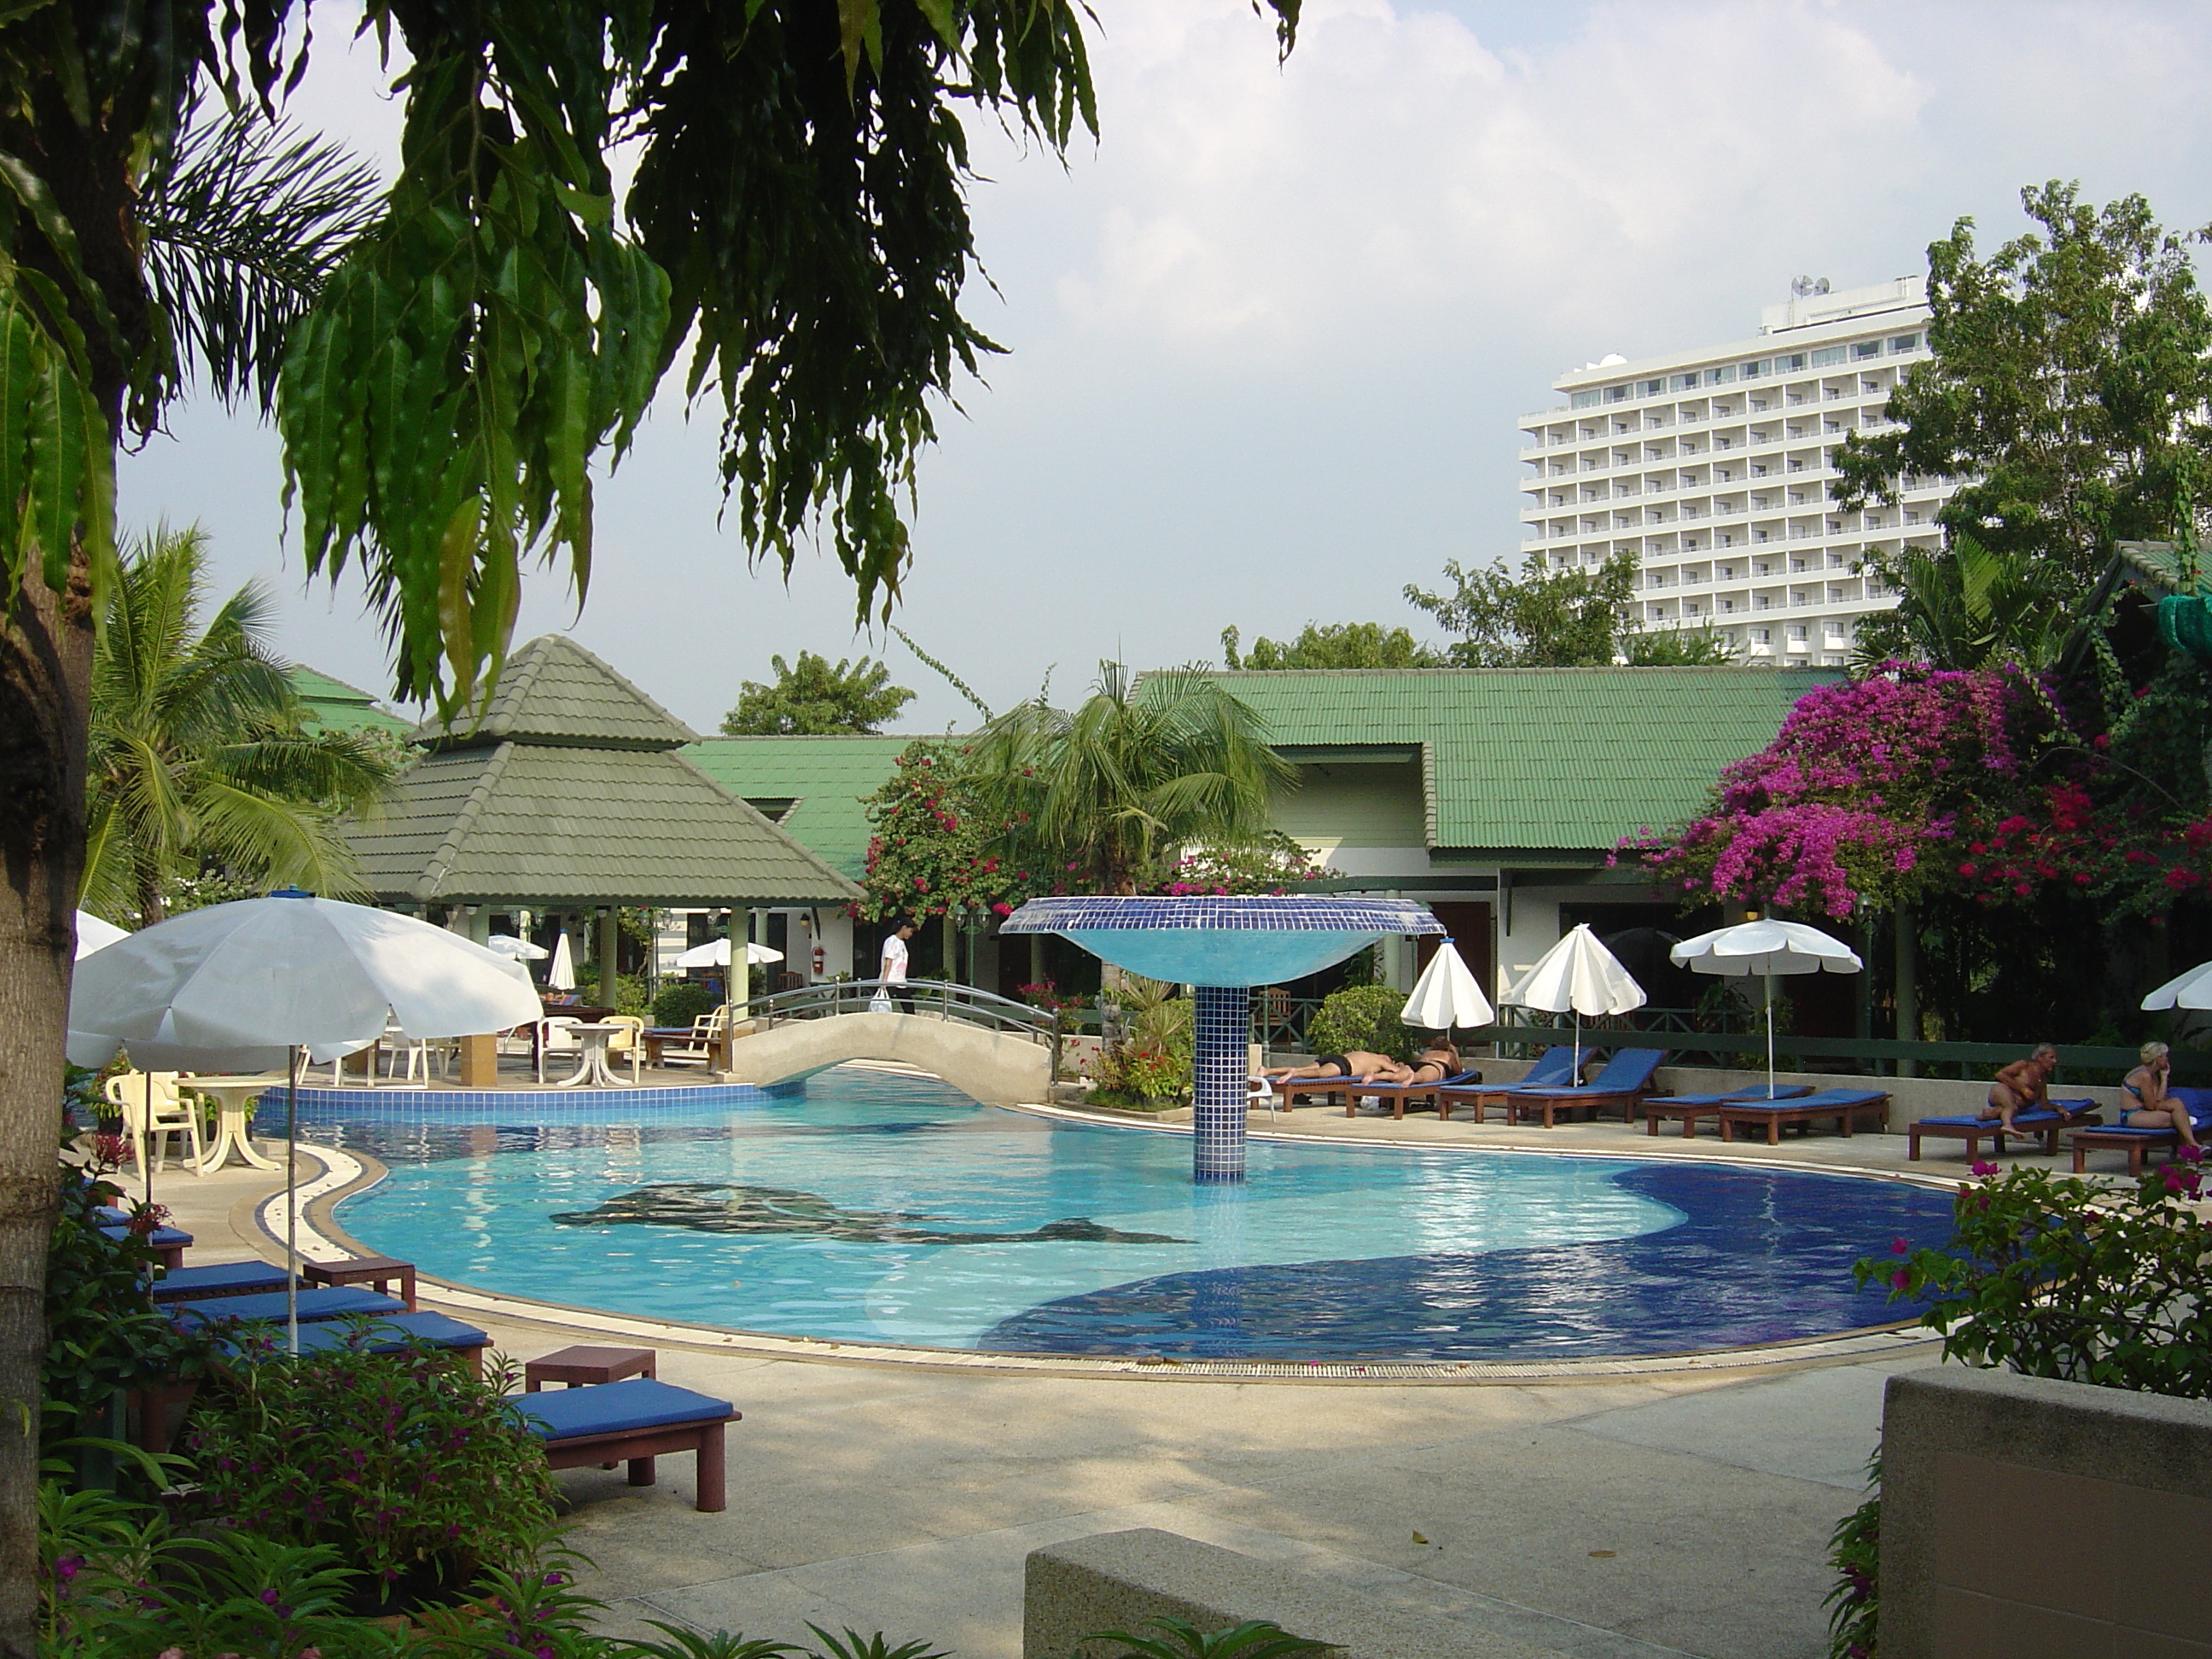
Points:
[(402, 1461), (682, 1002), (1361, 1016), (629, 995)]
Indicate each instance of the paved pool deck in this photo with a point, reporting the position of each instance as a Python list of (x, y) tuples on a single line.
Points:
[(1610, 1519)]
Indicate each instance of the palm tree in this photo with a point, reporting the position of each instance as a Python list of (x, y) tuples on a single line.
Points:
[(1171, 760), (199, 761), (1971, 606)]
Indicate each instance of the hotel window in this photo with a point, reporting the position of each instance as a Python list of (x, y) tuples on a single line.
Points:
[(1793, 364), (1616, 394), (1720, 376), (1797, 630), (1905, 342), (1683, 382), (1650, 388), (1862, 349), (1583, 399), (1751, 371), (1827, 356), (1759, 637)]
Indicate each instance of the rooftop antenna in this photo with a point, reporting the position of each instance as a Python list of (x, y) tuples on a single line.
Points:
[(1805, 287)]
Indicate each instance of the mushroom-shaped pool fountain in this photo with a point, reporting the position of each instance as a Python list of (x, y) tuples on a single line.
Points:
[(1222, 947)]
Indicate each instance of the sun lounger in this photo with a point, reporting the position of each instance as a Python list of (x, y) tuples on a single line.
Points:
[(1691, 1108), (1397, 1096), (230, 1279), (633, 1421), (1846, 1106), (316, 1303), (1624, 1082), (1553, 1066), (1974, 1129), (1290, 1090), (169, 1244), (387, 1335), (2134, 1142)]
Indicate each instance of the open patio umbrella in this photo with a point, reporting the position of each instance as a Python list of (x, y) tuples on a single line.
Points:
[(1578, 975), (562, 975), (715, 953), (93, 934), (1766, 947), (2191, 990), (515, 950), (1446, 994), (267, 981)]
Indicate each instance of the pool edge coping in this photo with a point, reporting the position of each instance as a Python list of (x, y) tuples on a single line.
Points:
[(258, 1220)]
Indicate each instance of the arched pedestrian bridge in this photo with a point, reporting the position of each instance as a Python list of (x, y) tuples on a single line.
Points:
[(999, 1052)]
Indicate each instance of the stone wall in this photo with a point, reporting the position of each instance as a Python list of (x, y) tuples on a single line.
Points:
[(2024, 1518)]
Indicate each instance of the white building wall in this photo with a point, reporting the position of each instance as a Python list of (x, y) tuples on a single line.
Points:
[(1713, 469)]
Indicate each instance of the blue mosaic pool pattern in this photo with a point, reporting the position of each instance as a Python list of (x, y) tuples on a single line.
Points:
[(869, 1207), (1221, 1029)]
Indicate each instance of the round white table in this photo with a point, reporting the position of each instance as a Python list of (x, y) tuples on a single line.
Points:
[(231, 1094), (592, 1069)]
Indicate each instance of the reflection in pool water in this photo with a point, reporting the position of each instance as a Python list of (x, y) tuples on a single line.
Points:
[(869, 1207)]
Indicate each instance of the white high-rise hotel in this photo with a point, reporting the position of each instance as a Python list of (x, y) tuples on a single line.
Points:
[(1714, 469)]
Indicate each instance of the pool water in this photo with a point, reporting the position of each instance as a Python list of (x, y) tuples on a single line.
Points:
[(869, 1207)]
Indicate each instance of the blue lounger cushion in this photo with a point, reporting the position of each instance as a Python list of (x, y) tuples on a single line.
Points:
[(1553, 1066), (228, 1278), (162, 1239), (1822, 1098), (2035, 1119), (386, 1335), (318, 1301), (1456, 1080), (623, 1407), (1629, 1068), (1741, 1096)]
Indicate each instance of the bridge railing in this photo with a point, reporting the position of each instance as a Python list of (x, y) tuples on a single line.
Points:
[(925, 998)]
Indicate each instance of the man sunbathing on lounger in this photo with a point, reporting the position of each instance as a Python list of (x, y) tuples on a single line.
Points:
[(1359, 1063), (2023, 1086)]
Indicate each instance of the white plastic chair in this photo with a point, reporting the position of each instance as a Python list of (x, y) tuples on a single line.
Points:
[(702, 1048), (554, 1036), (153, 1107), (630, 1040)]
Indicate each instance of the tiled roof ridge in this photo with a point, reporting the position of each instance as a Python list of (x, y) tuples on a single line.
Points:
[(561, 641), (766, 824), (831, 736), (434, 868), (1577, 668)]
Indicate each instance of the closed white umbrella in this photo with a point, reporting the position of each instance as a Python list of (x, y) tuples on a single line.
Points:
[(265, 981), (1765, 947), (93, 934), (515, 950), (2191, 990), (1578, 975), (1446, 994), (715, 953), (562, 975)]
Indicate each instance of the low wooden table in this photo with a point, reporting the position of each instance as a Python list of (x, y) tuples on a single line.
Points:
[(580, 1366), (377, 1270), (2134, 1142)]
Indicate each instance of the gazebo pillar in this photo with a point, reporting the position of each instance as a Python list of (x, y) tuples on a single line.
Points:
[(610, 940)]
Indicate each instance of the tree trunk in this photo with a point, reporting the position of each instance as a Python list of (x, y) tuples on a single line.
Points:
[(45, 671)]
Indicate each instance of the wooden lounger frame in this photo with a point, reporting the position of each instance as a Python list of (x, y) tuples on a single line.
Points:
[(1775, 1116), (2134, 1142), (639, 1447), (1975, 1133)]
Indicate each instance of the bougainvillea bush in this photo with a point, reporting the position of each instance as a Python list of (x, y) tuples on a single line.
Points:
[(932, 852), (1917, 782)]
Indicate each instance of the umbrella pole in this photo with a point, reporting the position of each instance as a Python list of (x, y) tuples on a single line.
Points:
[(149, 1140), (292, 1200), (1770, 1036)]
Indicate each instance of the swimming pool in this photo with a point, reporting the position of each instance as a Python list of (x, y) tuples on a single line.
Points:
[(869, 1207)]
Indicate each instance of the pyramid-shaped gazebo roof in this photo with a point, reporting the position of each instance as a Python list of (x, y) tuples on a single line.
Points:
[(570, 790)]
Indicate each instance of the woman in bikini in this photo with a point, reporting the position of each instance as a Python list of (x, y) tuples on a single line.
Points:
[(2155, 1108)]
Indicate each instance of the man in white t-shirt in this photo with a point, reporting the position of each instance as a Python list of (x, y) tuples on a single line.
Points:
[(894, 967)]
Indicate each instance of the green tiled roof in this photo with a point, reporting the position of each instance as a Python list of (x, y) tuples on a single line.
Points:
[(335, 705), (1567, 760), (584, 799), (554, 691), (826, 779)]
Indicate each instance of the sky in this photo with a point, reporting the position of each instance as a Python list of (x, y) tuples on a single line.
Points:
[(1269, 337)]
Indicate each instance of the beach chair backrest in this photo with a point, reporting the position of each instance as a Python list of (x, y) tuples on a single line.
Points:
[(1629, 1068), (1554, 1067), (632, 1032)]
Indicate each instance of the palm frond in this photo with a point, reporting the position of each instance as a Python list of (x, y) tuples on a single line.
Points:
[(243, 227)]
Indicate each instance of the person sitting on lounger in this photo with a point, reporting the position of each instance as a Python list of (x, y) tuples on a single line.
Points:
[(2155, 1108), (1360, 1063), (2022, 1086)]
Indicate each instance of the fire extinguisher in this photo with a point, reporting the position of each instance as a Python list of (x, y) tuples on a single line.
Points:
[(821, 961)]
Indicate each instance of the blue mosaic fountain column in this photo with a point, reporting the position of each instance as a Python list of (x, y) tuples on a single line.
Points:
[(1221, 1029)]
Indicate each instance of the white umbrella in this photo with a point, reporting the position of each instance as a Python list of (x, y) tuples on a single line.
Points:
[(1446, 994), (1765, 947), (1577, 973), (2191, 990), (93, 934), (516, 950), (265, 981), (715, 953), (562, 975)]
